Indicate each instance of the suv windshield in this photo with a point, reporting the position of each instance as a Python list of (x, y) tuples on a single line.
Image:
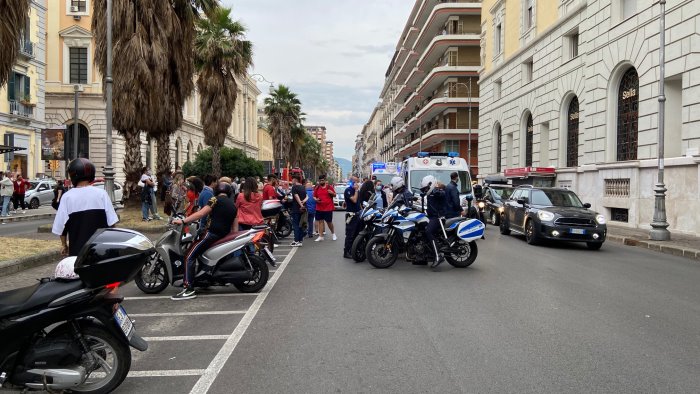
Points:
[(555, 198), (464, 182), (502, 193)]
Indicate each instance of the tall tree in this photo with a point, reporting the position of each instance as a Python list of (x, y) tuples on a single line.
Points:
[(13, 21), (283, 110), (221, 55)]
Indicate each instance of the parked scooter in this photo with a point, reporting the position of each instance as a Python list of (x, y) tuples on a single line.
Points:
[(71, 333), (230, 260), (276, 215)]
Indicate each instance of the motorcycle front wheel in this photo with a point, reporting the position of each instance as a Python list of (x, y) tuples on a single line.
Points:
[(260, 276), (380, 253), (358, 249), (153, 277), (284, 229), (462, 255)]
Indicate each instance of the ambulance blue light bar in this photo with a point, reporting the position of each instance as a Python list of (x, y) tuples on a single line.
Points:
[(453, 154), (423, 154)]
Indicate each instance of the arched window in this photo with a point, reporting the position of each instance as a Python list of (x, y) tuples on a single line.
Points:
[(572, 134), (499, 146), (528, 140), (177, 153), (189, 151), (83, 141), (628, 116), (199, 148)]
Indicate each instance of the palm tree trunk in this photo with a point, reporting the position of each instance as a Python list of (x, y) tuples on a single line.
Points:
[(163, 158), (132, 161), (216, 160)]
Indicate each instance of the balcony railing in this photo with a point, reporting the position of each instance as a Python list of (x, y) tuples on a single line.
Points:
[(26, 48), (20, 110)]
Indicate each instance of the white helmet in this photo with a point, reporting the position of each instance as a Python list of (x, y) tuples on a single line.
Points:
[(428, 184), (65, 269), (396, 183)]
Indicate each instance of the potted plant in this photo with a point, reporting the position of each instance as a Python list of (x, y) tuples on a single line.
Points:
[(26, 100)]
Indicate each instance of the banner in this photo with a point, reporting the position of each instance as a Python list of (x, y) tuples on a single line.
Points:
[(52, 144)]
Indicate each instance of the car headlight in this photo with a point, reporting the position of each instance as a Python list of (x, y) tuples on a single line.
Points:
[(481, 204), (545, 216), (600, 219), (501, 209)]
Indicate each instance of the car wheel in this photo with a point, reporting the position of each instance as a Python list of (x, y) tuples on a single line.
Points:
[(494, 218), (505, 230), (34, 203), (594, 245), (530, 233)]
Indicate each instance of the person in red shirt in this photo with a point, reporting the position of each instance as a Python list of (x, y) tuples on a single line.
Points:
[(323, 194), (249, 204), (20, 189), (270, 189)]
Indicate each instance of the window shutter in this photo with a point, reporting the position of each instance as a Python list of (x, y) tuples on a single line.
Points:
[(27, 90), (11, 86)]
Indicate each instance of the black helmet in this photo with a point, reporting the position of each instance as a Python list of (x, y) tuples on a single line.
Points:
[(80, 170), (224, 188)]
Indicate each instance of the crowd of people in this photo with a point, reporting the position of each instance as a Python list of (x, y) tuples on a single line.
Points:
[(13, 188)]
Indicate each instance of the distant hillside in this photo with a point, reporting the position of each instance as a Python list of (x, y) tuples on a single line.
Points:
[(345, 164)]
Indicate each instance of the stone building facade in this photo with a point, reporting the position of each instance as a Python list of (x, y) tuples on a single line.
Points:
[(573, 85)]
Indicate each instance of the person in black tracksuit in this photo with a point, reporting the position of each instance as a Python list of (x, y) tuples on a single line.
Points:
[(436, 204)]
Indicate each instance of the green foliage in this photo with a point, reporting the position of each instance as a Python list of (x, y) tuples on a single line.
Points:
[(233, 164)]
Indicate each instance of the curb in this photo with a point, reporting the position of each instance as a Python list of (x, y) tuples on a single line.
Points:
[(25, 218), (693, 254), (10, 267)]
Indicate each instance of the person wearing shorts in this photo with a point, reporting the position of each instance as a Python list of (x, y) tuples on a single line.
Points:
[(323, 195)]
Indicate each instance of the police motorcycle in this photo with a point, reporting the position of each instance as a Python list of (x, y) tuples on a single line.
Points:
[(406, 231), (70, 333), (233, 259), (369, 218)]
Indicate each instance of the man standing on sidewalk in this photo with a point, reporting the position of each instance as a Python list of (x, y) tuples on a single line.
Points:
[(6, 191)]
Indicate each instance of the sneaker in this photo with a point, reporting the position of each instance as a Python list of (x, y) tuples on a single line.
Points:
[(158, 217), (296, 244), (335, 238), (315, 234), (24, 211), (438, 262), (185, 294), (319, 239), (146, 220)]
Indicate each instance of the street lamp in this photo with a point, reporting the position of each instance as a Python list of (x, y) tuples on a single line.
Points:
[(469, 93), (108, 170), (659, 225)]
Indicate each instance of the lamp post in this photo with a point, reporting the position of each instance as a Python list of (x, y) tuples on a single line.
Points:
[(108, 170), (469, 118), (659, 225)]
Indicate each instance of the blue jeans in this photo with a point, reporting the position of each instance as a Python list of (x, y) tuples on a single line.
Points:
[(153, 206), (310, 231), (6, 205), (296, 220), (144, 209)]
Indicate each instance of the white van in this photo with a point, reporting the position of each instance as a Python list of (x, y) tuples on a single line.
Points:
[(439, 165)]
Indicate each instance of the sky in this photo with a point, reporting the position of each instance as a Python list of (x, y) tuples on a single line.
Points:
[(332, 53)]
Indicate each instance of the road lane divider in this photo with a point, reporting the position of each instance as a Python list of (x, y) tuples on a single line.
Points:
[(198, 313), (187, 338)]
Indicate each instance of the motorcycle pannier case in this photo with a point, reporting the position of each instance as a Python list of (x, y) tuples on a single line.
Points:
[(112, 255), (271, 208)]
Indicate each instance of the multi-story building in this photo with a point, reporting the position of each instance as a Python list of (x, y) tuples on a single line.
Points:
[(22, 99), (328, 152), (573, 85), (265, 145), (358, 157), (429, 101), (70, 62)]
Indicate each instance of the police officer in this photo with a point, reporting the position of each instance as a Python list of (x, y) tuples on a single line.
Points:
[(401, 192), (352, 207), (434, 192)]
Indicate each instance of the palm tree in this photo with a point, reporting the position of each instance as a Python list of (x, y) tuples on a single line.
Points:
[(13, 20), (283, 110), (221, 55)]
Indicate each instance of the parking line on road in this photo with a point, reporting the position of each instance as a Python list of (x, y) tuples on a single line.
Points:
[(198, 296), (165, 373), (186, 338), (172, 314), (210, 374)]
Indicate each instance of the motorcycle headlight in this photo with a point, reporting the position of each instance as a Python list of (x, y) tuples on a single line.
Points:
[(481, 204), (600, 219), (500, 209), (545, 216)]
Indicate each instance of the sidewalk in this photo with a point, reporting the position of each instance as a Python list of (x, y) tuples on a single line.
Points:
[(679, 245), (43, 212)]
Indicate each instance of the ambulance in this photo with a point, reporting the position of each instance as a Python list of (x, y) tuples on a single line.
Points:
[(439, 165), (384, 172)]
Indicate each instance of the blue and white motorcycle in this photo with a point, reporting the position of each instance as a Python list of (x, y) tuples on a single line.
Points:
[(457, 240)]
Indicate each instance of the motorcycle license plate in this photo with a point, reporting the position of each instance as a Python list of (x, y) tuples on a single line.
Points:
[(124, 322), (578, 231)]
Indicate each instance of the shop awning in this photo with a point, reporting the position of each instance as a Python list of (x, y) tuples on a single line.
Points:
[(8, 148), (524, 172)]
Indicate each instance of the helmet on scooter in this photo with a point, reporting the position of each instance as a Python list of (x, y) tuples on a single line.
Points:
[(224, 188), (396, 183), (428, 184)]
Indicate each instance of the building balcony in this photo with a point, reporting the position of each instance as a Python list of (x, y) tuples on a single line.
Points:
[(435, 137), (26, 48), (434, 108), (21, 111), (419, 81), (435, 52)]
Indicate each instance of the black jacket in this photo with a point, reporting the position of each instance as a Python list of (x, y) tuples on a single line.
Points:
[(436, 203), (453, 208)]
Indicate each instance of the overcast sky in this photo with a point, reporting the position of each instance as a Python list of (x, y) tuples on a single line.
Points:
[(332, 53)]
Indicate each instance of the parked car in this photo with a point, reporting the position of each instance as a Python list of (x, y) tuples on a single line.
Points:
[(118, 191), (553, 214), (494, 196), (339, 199), (40, 193)]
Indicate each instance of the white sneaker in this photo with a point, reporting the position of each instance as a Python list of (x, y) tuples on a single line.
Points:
[(335, 238), (319, 239)]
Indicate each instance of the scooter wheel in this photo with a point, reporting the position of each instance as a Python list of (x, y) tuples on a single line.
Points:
[(153, 277), (260, 276)]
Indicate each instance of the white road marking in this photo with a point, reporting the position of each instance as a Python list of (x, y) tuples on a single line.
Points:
[(172, 314), (198, 296), (186, 338), (165, 373), (214, 368)]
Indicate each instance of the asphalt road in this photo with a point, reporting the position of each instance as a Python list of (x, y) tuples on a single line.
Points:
[(522, 319), (25, 227)]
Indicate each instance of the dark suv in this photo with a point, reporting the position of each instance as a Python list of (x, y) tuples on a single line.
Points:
[(554, 214)]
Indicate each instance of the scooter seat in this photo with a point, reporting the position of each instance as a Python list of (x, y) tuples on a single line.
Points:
[(452, 221), (25, 299), (230, 237)]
